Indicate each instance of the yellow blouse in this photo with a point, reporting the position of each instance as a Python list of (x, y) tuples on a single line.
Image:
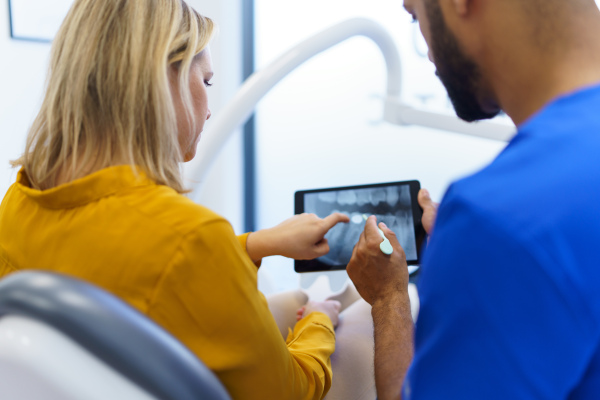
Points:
[(175, 261)]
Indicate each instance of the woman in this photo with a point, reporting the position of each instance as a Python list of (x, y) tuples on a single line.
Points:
[(99, 196)]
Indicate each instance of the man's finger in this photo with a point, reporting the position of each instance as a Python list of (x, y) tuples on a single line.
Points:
[(357, 246), (354, 250), (429, 210), (424, 199), (389, 234), (331, 220), (371, 230)]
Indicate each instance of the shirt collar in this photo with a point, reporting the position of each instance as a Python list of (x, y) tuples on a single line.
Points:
[(95, 186), (567, 107)]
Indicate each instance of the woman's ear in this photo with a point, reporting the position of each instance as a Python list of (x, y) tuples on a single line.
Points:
[(173, 69)]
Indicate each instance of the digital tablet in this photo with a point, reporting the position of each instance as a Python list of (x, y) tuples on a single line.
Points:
[(394, 203)]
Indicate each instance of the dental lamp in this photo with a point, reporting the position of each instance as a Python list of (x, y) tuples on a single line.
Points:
[(395, 111)]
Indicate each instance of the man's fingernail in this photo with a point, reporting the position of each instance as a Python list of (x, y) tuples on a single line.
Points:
[(426, 193), (383, 224)]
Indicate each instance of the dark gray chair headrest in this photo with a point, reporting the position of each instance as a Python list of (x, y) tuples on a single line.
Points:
[(114, 332)]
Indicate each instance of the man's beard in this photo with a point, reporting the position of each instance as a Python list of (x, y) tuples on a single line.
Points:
[(459, 74)]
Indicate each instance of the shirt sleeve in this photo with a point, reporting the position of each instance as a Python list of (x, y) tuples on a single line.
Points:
[(493, 323), (209, 300), (243, 239)]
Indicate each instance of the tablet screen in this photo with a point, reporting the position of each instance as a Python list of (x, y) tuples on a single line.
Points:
[(392, 203)]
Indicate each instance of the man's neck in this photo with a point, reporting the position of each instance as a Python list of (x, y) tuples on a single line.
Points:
[(525, 80)]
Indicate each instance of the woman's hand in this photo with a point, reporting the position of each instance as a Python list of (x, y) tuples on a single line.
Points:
[(301, 237), (429, 210), (331, 308)]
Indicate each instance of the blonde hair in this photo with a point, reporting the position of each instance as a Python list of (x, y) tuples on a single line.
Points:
[(108, 99)]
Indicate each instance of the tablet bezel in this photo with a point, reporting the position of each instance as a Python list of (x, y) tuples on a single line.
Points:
[(302, 266)]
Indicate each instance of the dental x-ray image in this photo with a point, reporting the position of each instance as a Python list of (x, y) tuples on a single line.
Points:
[(391, 204)]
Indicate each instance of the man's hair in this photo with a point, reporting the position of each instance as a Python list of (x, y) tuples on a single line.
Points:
[(108, 99)]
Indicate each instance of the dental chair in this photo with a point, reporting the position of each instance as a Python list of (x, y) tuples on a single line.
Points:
[(61, 338)]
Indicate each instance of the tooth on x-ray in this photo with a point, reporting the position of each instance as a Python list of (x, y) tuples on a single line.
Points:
[(362, 197), (392, 196), (377, 196), (405, 198), (346, 197), (328, 197)]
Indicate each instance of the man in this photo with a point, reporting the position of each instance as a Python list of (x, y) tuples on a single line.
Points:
[(510, 284)]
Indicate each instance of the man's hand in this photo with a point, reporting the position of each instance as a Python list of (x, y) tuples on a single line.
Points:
[(429, 210), (378, 276), (331, 308), (301, 237)]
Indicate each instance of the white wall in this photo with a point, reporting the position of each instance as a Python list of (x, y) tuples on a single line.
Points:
[(22, 74)]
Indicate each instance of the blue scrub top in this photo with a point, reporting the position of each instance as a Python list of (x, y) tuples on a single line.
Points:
[(510, 284)]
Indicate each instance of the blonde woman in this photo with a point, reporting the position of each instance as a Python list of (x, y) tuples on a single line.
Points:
[(99, 196)]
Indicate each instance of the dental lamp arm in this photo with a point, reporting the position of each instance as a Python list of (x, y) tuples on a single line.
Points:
[(399, 113)]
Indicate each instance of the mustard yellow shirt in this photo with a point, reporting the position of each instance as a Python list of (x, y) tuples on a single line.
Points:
[(178, 263)]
